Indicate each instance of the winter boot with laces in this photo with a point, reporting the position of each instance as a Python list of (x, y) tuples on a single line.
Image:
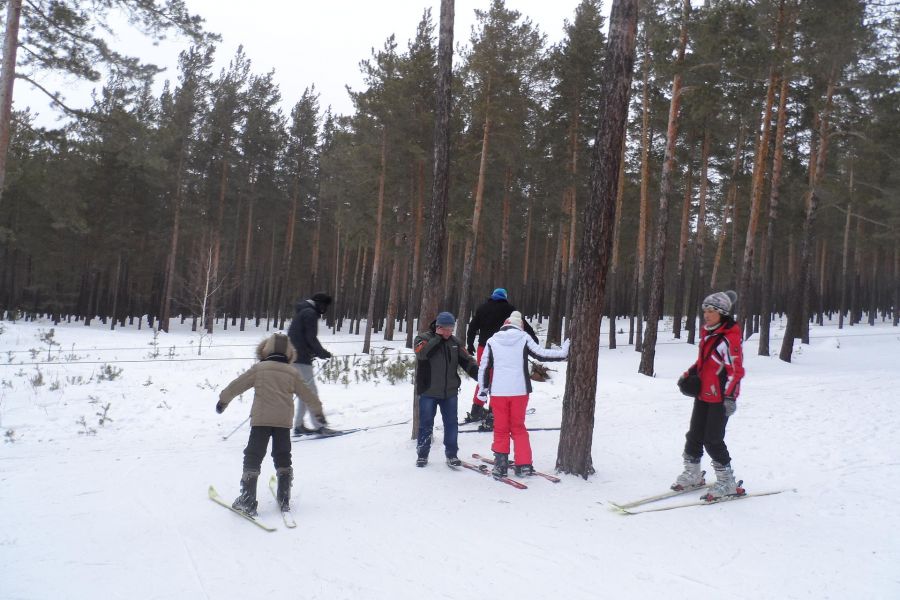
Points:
[(285, 477), (692, 477), (246, 502), (725, 484), (501, 465), (454, 461)]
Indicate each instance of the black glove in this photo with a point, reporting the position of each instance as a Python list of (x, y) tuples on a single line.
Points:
[(432, 327), (471, 350), (325, 355), (477, 412), (730, 406), (220, 407)]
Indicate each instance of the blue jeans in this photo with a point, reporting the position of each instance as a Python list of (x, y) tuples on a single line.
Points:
[(427, 410)]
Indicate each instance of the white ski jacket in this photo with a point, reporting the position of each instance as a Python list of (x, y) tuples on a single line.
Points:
[(507, 352)]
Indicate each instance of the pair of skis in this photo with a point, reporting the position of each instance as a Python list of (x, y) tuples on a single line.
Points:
[(286, 515), (484, 470), (636, 507), (339, 432)]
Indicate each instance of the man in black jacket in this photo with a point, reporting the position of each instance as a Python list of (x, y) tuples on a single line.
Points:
[(303, 333), (487, 321), (439, 354)]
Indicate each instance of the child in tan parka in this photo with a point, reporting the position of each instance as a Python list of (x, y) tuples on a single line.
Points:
[(274, 382)]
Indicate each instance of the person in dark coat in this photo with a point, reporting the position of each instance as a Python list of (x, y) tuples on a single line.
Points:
[(303, 333), (487, 320), (439, 355)]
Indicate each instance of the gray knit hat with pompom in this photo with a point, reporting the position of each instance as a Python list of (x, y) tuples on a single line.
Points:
[(721, 302)]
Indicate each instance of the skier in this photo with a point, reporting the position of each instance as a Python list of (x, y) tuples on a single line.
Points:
[(506, 353), (439, 354), (720, 369), (304, 336), (487, 320), (274, 384)]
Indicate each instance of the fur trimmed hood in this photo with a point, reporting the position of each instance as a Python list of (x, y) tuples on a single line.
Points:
[(276, 344)]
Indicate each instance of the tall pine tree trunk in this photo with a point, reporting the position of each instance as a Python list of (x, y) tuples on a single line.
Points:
[(614, 266), (648, 350), (729, 207), (765, 309), (415, 290), (169, 281), (757, 185), (699, 273), (376, 257), (800, 297), (576, 434), (641, 263), (7, 80), (682, 251), (472, 241)]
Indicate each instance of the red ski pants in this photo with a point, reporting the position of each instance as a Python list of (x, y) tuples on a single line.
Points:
[(509, 423)]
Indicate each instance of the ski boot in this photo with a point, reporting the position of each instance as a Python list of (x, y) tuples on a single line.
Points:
[(283, 494), (725, 484), (692, 477), (246, 502), (501, 465), (303, 430), (524, 470)]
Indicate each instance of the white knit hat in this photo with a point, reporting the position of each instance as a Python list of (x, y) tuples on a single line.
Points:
[(514, 319), (721, 302)]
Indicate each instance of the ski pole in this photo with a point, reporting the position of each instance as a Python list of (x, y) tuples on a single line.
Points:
[(236, 428)]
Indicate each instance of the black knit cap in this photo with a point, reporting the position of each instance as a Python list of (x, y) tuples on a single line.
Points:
[(322, 298)]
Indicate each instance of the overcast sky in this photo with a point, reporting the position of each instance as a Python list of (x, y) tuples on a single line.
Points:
[(306, 42)]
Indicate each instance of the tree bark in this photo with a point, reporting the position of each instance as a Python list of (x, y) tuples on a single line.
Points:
[(700, 243), (614, 266), (756, 188), (648, 350), (376, 256), (800, 302), (682, 251), (729, 208), (765, 309), (472, 241), (7, 81), (432, 268), (576, 434)]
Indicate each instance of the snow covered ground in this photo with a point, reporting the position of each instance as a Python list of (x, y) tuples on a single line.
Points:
[(120, 509)]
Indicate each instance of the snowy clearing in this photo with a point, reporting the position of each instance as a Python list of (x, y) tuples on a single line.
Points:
[(120, 509)]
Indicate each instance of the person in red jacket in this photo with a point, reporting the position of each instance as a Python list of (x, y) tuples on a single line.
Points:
[(720, 368)]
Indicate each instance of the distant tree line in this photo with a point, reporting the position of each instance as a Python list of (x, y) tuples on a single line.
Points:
[(761, 154)]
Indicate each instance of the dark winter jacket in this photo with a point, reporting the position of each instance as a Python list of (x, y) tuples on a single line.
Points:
[(720, 373), (438, 361), (488, 320), (304, 332)]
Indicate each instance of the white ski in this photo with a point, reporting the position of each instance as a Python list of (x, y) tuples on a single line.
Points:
[(215, 497), (287, 515)]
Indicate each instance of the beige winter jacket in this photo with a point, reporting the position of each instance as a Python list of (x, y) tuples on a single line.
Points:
[(274, 385)]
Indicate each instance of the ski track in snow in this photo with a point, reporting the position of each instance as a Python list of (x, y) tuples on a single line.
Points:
[(123, 512)]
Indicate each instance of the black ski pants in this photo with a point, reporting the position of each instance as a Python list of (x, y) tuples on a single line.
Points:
[(259, 441), (707, 430)]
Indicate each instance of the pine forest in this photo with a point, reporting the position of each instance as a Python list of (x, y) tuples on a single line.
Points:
[(627, 170)]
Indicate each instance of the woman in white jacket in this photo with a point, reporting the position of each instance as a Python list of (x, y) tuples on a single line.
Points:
[(503, 374)]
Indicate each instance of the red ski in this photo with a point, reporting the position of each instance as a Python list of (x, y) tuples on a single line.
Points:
[(485, 471), (546, 476)]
